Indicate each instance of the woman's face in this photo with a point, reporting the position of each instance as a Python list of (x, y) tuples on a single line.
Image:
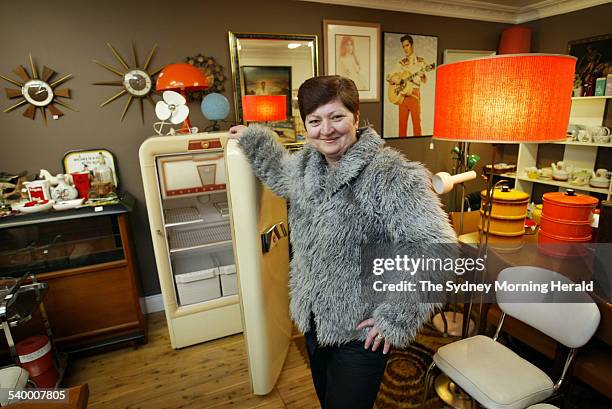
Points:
[(350, 47), (332, 129)]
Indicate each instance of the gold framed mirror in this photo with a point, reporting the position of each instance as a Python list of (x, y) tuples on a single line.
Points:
[(272, 66)]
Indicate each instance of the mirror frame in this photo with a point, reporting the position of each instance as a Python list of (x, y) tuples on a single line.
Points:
[(235, 59)]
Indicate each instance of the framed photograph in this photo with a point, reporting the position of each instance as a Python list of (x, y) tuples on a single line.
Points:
[(352, 50), (463, 55), (594, 61), (409, 76), (268, 80)]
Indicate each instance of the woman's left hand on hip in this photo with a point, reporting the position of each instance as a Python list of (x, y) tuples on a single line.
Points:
[(374, 337)]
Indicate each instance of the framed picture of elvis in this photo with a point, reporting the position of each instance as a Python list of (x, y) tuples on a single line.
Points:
[(409, 84)]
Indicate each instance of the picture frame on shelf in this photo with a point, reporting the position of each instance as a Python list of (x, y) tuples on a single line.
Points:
[(352, 50), (594, 60), (409, 76), (268, 80), (88, 159)]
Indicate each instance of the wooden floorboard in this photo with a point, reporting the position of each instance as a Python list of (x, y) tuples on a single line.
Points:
[(209, 375)]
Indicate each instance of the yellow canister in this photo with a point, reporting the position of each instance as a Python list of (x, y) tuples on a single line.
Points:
[(507, 203)]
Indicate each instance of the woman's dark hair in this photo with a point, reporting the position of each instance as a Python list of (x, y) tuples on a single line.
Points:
[(407, 37), (318, 91)]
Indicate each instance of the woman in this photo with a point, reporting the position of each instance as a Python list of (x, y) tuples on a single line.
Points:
[(348, 63), (346, 190)]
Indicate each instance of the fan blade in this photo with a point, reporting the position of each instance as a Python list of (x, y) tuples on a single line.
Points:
[(22, 73), (33, 67), (173, 98), (55, 112), (64, 92), (162, 111), (179, 114), (47, 73), (30, 112), (12, 92)]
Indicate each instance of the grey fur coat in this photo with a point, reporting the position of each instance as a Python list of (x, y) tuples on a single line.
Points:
[(373, 194)]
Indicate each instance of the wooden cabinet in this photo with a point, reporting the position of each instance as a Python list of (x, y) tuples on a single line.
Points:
[(86, 258)]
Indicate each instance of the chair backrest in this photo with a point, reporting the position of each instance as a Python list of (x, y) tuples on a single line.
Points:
[(571, 323)]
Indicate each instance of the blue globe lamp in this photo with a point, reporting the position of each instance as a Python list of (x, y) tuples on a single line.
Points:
[(215, 108)]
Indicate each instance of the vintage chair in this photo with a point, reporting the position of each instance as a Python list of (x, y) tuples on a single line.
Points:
[(494, 375)]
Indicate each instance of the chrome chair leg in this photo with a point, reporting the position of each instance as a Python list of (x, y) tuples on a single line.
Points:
[(428, 379)]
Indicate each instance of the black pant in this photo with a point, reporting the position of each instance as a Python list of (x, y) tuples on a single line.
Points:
[(346, 376)]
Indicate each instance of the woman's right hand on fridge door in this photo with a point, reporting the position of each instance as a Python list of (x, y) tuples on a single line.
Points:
[(237, 131)]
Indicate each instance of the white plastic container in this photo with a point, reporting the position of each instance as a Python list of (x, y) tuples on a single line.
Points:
[(229, 280), (198, 286)]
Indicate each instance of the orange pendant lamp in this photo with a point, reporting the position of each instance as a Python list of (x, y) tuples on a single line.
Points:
[(504, 99), (515, 40)]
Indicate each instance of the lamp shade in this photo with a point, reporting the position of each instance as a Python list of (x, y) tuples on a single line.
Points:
[(181, 76), (504, 99), (515, 40), (263, 108)]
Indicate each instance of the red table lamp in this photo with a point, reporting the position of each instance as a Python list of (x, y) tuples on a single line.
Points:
[(181, 77), (264, 108)]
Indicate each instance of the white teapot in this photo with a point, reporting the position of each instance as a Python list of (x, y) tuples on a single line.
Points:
[(63, 191), (600, 179), (561, 170)]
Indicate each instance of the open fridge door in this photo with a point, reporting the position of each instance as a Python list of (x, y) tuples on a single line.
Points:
[(261, 249)]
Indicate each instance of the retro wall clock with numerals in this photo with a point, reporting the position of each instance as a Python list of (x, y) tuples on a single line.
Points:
[(136, 82), (38, 91)]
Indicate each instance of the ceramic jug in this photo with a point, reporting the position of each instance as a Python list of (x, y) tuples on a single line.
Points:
[(63, 191)]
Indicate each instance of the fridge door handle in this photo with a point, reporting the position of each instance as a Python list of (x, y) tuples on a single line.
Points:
[(272, 236)]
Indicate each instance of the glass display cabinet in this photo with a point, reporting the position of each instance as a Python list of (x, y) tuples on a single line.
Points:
[(85, 258)]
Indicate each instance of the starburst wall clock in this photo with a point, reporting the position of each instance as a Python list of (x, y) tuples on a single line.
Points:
[(37, 91), (136, 82)]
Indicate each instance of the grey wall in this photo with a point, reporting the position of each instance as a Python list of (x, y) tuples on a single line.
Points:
[(67, 35)]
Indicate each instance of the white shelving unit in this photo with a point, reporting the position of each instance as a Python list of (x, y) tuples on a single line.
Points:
[(585, 111)]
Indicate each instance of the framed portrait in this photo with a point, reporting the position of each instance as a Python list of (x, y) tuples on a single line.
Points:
[(352, 50), (409, 84), (463, 55), (594, 60), (268, 80)]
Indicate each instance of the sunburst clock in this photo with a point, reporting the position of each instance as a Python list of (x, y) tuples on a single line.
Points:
[(38, 91), (136, 82)]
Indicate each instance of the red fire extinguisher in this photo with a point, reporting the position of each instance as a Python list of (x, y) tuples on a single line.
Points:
[(36, 357)]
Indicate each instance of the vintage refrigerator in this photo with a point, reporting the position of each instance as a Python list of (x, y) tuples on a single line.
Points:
[(221, 247)]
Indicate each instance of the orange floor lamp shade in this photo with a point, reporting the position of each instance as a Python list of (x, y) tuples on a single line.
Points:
[(264, 108), (515, 40), (504, 99)]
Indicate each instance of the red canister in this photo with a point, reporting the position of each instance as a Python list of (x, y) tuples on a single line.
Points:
[(562, 246), (565, 228), (36, 357), (569, 206)]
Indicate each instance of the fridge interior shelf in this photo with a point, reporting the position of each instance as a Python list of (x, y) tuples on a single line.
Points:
[(182, 240), (182, 216)]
